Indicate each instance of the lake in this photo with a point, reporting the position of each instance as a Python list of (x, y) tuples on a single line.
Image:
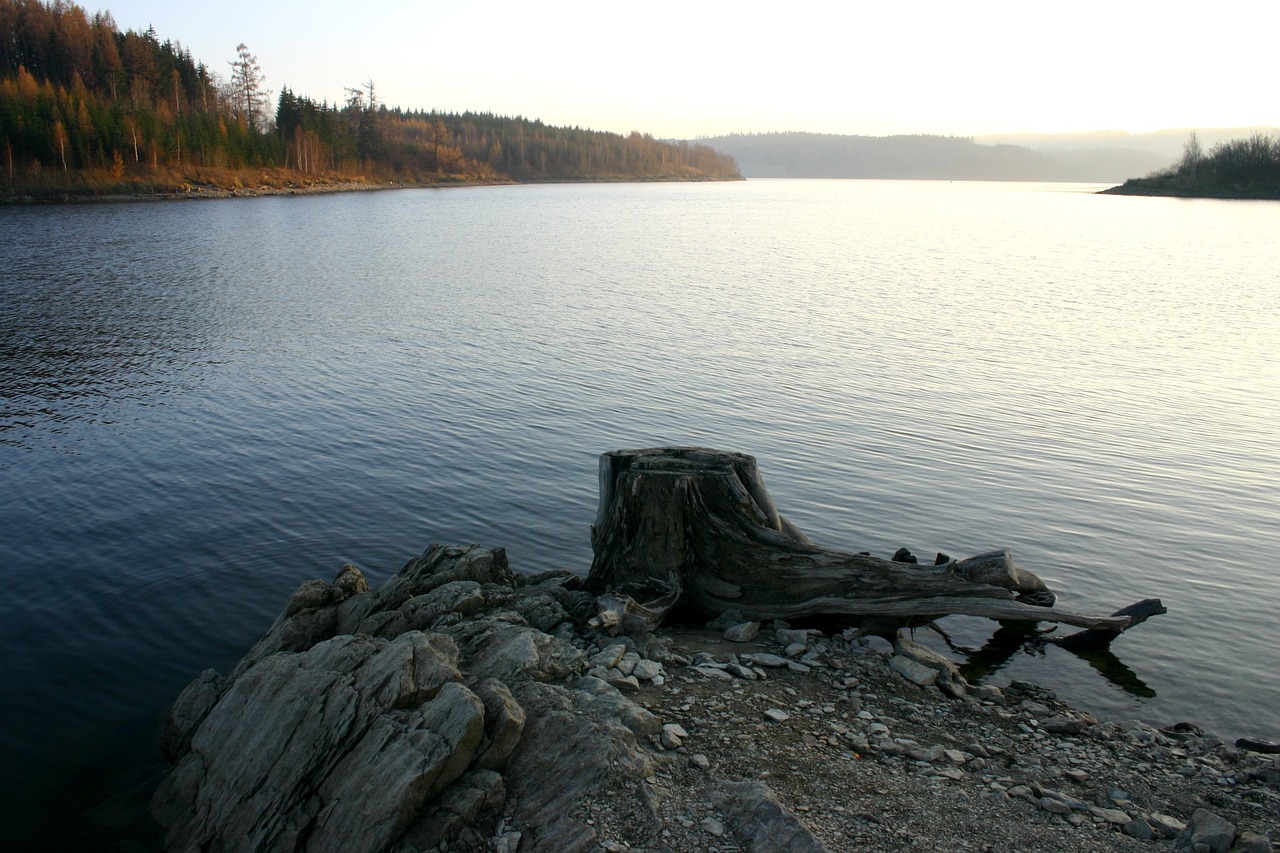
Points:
[(203, 405)]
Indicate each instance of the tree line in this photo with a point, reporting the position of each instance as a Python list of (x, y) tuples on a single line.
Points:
[(79, 97), (1248, 167)]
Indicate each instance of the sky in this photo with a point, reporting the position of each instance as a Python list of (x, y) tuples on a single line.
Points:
[(697, 69)]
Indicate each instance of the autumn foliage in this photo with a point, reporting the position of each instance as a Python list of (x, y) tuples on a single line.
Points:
[(87, 108)]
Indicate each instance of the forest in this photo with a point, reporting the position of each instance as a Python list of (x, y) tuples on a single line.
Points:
[(87, 109)]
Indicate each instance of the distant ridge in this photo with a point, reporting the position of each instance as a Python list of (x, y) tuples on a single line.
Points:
[(923, 157), (1168, 142)]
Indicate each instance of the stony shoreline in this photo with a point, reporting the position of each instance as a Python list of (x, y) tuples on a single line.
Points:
[(462, 707)]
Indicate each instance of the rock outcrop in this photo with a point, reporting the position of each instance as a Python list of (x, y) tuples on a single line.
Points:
[(441, 711), (461, 707)]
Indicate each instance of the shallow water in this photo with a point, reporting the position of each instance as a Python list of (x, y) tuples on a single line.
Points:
[(203, 405)]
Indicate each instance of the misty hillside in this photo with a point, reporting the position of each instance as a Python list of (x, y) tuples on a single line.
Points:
[(1167, 143), (816, 155)]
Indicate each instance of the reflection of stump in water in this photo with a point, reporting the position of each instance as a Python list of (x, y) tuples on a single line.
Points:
[(696, 528), (1013, 638)]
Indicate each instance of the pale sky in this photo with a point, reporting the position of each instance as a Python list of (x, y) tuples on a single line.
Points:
[(695, 68)]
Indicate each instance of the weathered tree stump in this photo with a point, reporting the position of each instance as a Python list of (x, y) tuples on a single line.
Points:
[(696, 527)]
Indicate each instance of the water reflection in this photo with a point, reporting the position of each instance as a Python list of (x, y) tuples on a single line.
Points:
[(1023, 638)]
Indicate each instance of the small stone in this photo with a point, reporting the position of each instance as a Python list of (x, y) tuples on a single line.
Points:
[(1062, 725), (798, 667), (1022, 792), (713, 672), (1139, 829), (1081, 776), (1165, 826), (713, 826), (987, 693), (647, 670), (777, 714), (794, 650), (878, 729), (766, 660), (744, 632), (744, 672), (1054, 806), (1252, 842), (700, 761), (1036, 708), (788, 637), (954, 773), (626, 683), (670, 740), (955, 756), (608, 657), (913, 670), (1116, 816), (1208, 830)]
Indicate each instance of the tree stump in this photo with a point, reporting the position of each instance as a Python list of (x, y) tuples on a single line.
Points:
[(696, 527)]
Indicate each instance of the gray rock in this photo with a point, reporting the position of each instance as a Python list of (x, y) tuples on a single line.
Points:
[(791, 637), (1054, 806), (608, 657), (503, 724), (1252, 842), (948, 678), (913, 671), (647, 670), (1062, 724), (626, 683), (297, 733), (1165, 826), (766, 660), (1038, 709), (1118, 817), (1207, 829), (1139, 829), (712, 826), (744, 672), (189, 711), (753, 811), (744, 632), (776, 714)]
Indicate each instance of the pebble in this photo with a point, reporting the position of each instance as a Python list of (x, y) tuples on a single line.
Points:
[(647, 670), (766, 660), (713, 826), (777, 714), (742, 633)]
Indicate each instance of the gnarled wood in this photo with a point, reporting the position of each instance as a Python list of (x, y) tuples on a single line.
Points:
[(696, 527)]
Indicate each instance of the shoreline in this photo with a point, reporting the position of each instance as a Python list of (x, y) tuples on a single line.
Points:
[(198, 191), (733, 736)]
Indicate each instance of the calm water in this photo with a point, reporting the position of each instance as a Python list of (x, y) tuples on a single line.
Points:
[(203, 405)]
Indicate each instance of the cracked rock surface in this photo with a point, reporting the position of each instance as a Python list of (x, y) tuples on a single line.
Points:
[(462, 707)]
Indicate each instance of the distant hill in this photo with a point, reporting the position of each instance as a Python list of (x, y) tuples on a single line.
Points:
[(1167, 143), (921, 157)]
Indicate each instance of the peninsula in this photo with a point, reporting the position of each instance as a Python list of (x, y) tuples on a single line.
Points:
[(1247, 168)]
